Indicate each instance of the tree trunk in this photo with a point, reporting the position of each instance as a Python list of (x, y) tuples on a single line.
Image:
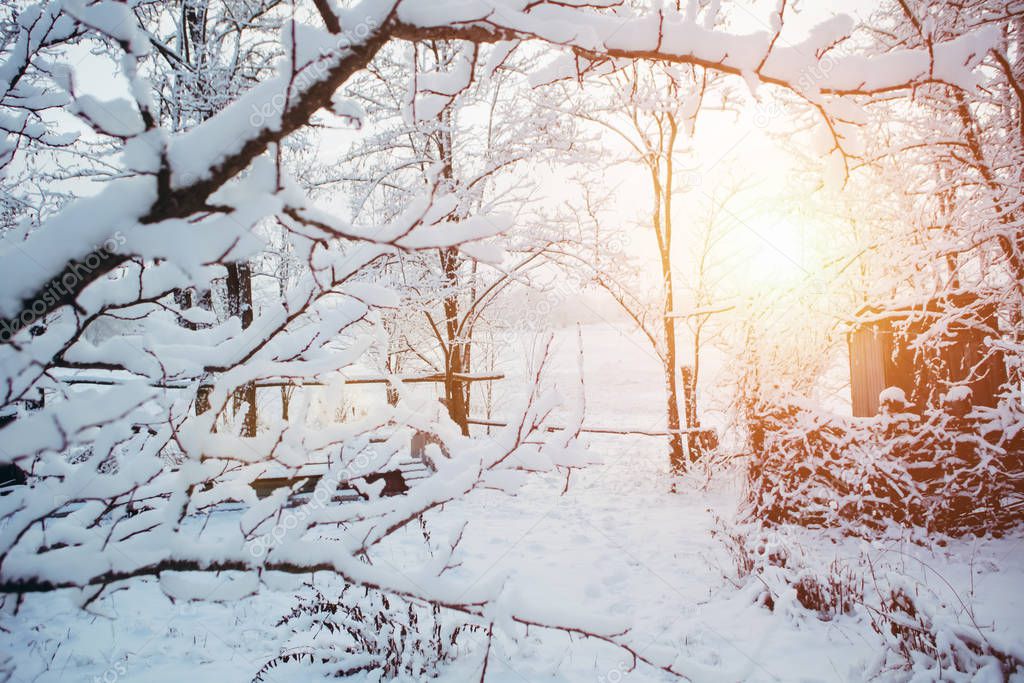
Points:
[(456, 398), (239, 303), (185, 299), (676, 453), (454, 388), (663, 229), (694, 442)]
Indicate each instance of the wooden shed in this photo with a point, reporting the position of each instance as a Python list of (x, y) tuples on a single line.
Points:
[(883, 353)]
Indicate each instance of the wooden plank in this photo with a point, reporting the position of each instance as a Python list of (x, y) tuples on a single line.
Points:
[(184, 384), (697, 312), (397, 480), (621, 431), (459, 377), (867, 370)]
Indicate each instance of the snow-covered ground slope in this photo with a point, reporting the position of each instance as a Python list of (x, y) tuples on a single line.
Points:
[(617, 548)]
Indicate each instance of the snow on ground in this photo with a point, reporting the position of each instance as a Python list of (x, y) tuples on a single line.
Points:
[(618, 545)]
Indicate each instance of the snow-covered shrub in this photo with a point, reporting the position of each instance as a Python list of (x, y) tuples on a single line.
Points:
[(938, 472), (835, 592), (751, 553), (364, 630), (929, 646), (766, 563), (926, 630)]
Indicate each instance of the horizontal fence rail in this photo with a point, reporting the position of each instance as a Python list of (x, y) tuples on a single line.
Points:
[(267, 384), (621, 431)]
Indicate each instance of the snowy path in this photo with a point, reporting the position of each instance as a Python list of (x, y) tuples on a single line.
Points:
[(619, 545)]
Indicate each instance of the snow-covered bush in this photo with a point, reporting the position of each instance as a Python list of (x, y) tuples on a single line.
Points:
[(938, 472), (923, 643)]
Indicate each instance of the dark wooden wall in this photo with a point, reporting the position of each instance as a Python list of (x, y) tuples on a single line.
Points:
[(882, 355)]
